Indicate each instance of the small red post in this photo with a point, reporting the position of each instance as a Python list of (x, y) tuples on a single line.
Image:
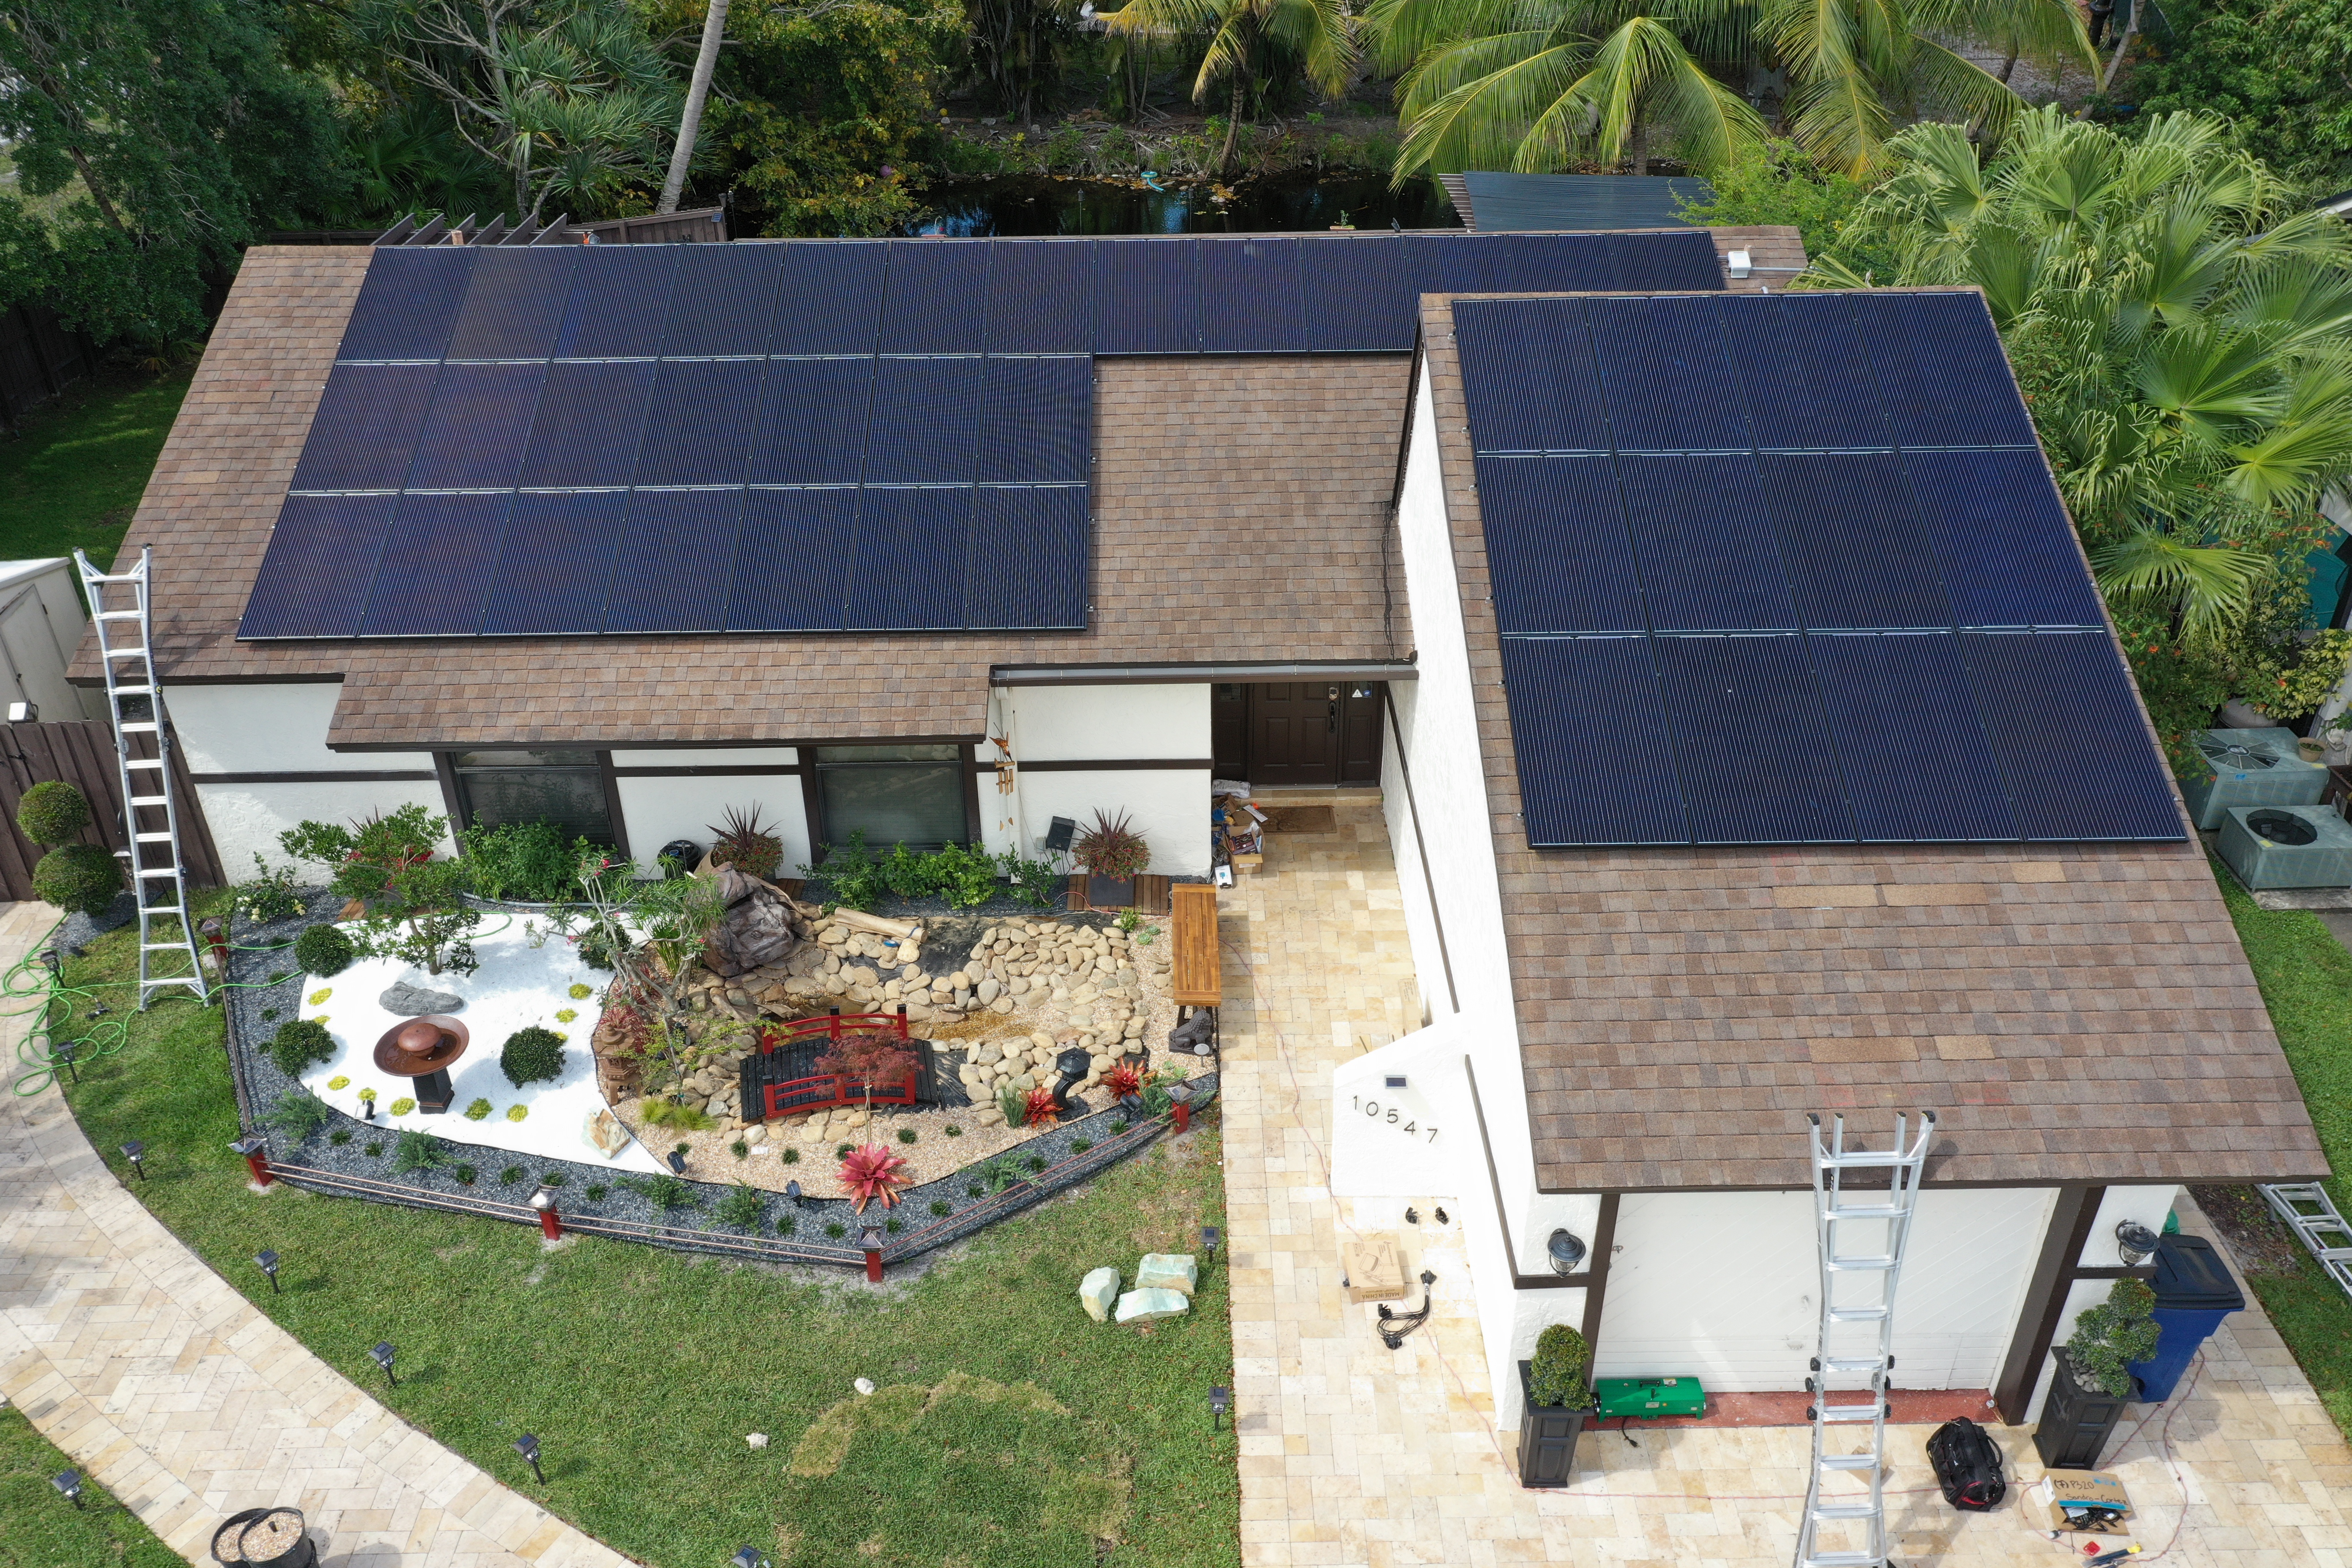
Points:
[(902, 1023), (1183, 1118), (551, 1224), (216, 945), (873, 1266), (258, 1164)]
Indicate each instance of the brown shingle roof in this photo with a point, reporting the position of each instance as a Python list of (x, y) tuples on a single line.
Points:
[(2072, 1012)]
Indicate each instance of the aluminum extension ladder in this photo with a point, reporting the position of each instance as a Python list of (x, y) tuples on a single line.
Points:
[(134, 702), (2307, 1211), (1854, 1349)]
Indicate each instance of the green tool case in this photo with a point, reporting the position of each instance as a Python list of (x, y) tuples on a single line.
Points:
[(1647, 1398)]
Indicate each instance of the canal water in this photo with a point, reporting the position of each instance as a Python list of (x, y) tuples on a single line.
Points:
[(1033, 205)]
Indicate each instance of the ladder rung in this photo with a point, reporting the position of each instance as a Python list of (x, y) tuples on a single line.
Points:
[(140, 727), (1856, 1314), (1867, 1211), (1859, 1265), (158, 871), (138, 651), (151, 800), (153, 838), (116, 616), (1844, 1511), (132, 692), (1854, 1364), (1846, 1461), (1849, 1415), (142, 761), (1842, 1559)]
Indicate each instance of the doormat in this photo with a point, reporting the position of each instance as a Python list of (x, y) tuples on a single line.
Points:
[(1301, 819)]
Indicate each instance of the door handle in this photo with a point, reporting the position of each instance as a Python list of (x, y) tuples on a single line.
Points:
[(1331, 722)]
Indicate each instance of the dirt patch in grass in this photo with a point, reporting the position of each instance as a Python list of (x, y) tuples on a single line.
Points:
[(2259, 1243)]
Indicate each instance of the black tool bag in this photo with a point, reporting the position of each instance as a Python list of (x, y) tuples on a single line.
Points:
[(1968, 1464)]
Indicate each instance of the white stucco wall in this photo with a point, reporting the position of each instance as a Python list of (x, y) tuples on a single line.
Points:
[(1069, 723), (41, 623), (658, 810), (1169, 806), (247, 818)]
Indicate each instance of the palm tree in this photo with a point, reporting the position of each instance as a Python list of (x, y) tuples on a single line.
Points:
[(697, 92), (1320, 33), (2182, 324), (1541, 84)]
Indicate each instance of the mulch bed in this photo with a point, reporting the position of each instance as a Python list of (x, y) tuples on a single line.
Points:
[(2255, 1238)]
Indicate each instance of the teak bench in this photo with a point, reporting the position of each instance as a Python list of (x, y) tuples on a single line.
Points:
[(1195, 967)]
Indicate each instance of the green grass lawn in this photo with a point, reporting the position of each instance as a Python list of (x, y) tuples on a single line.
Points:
[(39, 1529), (1010, 1430), (71, 477), (2306, 976)]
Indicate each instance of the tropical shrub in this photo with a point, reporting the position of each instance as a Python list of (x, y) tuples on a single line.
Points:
[(665, 1192), (362, 859), (2108, 1337), (53, 812), (299, 1114), (81, 878), (299, 1043), (1558, 1373), (527, 862), (323, 951), (531, 1055), (419, 1152), (742, 1208), (745, 844)]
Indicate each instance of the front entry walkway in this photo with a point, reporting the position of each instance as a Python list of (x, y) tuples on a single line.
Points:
[(175, 1394), (1354, 1453)]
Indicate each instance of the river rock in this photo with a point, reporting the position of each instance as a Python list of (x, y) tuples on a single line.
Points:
[(1142, 1306), (1098, 1292), (410, 997), (1167, 1271)]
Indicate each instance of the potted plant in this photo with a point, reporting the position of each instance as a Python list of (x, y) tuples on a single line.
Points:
[(746, 844), (2093, 1381), (1113, 854), (1556, 1388)]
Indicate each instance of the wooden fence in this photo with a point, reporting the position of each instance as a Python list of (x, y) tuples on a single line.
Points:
[(38, 359), (82, 754)]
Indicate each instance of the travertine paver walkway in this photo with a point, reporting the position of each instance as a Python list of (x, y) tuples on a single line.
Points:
[(173, 1392), (1353, 1454)]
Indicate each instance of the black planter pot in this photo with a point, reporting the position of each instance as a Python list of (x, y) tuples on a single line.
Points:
[(2076, 1421), (1547, 1434), (303, 1553), (1110, 892)]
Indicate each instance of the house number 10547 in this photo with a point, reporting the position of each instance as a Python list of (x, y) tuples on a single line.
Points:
[(1390, 1116)]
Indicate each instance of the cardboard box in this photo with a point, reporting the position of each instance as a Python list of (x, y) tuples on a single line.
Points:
[(1374, 1270), (2089, 1501), (1248, 862)]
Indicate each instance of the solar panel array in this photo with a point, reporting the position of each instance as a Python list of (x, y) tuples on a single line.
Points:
[(804, 436), (1789, 569)]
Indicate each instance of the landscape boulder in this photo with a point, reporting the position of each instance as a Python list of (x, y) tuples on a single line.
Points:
[(605, 1134), (409, 997), (1098, 1293), (1167, 1271), (757, 929), (1142, 1306)]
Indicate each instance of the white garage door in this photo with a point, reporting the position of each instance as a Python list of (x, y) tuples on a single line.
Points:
[(1722, 1285)]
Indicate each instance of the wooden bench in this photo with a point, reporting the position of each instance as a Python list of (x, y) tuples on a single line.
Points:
[(1194, 963)]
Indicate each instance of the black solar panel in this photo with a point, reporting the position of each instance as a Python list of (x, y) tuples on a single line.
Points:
[(829, 297), (1041, 297), (699, 426), (1361, 298), (720, 300), (1673, 260), (671, 575), (1022, 540), (925, 425), (474, 431), (1146, 297), (556, 563), (365, 430), (408, 303), (937, 301), (436, 568), (1794, 528), (619, 303), (590, 422), (514, 302), (791, 566), (899, 526), (1036, 416), (314, 577), (812, 424), (1251, 287)]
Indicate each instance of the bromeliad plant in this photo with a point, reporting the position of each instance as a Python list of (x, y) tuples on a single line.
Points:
[(872, 1172), (1038, 1108), (1111, 847)]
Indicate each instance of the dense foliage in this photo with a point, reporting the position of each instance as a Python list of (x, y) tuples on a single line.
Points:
[(2111, 1335), (323, 951), (2280, 70), (81, 878), (531, 1055), (1561, 1369), (528, 862), (53, 812), (301, 1043)]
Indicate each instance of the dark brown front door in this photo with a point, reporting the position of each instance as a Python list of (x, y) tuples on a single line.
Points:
[(1295, 733)]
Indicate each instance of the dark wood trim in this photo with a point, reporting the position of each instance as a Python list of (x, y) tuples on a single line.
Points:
[(971, 821), (716, 770), (1420, 849), (813, 808), (1503, 1216), (1605, 1244), (445, 765), (353, 775), (2045, 1298), (2146, 1272), (709, 746), (96, 683), (646, 743), (1121, 764), (612, 805)]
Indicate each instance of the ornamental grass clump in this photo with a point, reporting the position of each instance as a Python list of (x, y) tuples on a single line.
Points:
[(2111, 1335), (1557, 1374), (872, 1172), (746, 844)]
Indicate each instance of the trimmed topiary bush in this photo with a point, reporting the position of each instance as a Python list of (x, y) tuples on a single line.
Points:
[(531, 1055), (1557, 1374), (301, 1044), (53, 812), (81, 878), (322, 951)]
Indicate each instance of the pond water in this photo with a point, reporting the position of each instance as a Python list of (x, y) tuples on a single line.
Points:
[(1033, 205)]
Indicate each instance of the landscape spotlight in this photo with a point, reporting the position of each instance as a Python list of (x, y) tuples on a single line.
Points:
[(64, 1052), (677, 1162), (1210, 1236), (268, 1261), (134, 1151), (1220, 1399), (1566, 1251), (69, 1483), (2136, 1242), (793, 1191), (869, 1239), (382, 1357), (528, 1446), (747, 1557)]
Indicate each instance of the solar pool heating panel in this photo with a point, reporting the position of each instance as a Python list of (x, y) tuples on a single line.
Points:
[(1596, 760), (1258, 309), (699, 430), (792, 562), (1849, 533), (1753, 747), (926, 424), (2008, 553), (591, 420), (1028, 560), (314, 577), (1529, 377), (1040, 298), (936, 299), (619, 303), (1704, 545), (1941, 373), (2070, 740), (514, 302), (1146, 297), (554, 565), (1362, 292), (1036, 416), (721, 299), (899, 526), (1665, 374), (671, 573), (829, 297), (435, 572), (1672, 259), (477, 428), (811, 424), (1556, 550), (407, 303), (1796, 357), (364, 432), (1905, 732)]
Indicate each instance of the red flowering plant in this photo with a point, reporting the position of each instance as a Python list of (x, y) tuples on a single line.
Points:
[(871, 1172), (1122, 1080), (1039, 1110)]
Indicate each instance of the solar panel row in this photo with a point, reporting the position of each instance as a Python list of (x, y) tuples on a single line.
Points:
[(1789, 569)]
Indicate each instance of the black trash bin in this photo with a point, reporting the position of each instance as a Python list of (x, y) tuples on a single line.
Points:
[(2193, 1293)]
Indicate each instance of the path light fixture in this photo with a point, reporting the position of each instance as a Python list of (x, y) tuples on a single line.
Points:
[(528, 1446), (63, 1053), (268, 1261), (793, 1191), (1220, 1399), (746, 1557), (136, 1153), (677, 1162), (256, 1158), (69, 1484), (54, 963), (869, 1237), (551, 1223), (2136, 1242), (1210, 1236), (382, 1357), (1566, 1251), (1180, 1097)]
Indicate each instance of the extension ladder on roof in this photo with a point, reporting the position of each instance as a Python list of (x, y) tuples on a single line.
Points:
[(142, 755), (1861, 1237), (2310, 1214)]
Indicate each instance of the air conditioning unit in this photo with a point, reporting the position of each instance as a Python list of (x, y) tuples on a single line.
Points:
[(2287, 846), (2250, 767)]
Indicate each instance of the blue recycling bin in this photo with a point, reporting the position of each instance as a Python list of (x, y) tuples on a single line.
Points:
[(2193, 1293)]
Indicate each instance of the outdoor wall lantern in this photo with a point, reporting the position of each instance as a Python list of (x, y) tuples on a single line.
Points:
[(23, 712), (382, 1357), (268, 1261), (135, 1152), (528, 1446), (2136, 1242), (69, 1483), (1567, 1252), (1220, 1399)]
